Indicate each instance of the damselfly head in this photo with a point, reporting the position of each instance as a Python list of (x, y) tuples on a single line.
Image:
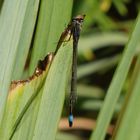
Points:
[(78, 19)]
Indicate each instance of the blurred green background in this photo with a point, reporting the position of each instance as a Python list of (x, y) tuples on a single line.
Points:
[(105, 32)]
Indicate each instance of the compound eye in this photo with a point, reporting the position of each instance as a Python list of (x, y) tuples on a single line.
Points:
[(74, 19), (81, 20)]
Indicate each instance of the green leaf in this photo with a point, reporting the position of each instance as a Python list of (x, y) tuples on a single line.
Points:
[(17, 22), (116, 85), (25, 37), (86, 90), (121, 7), (93, 67), (96, 105), (28, 115), (53, 95), (100, 40), (22, 94), (50, 25), (129, 120), (11, 22)]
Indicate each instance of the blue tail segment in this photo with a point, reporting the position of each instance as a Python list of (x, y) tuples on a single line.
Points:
[(70, 119)]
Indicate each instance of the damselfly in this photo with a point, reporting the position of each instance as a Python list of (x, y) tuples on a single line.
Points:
[(73, 30)]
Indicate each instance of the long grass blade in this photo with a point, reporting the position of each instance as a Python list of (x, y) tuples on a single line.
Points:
[(53, 94), (116, 85), (128, 122), (11, 23), (25, 37), (21, 105), (50, 25)]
